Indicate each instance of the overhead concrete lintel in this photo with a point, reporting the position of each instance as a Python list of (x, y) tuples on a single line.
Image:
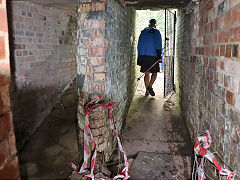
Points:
[(67, 4)]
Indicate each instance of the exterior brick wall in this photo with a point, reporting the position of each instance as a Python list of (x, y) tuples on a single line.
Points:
[(8, 158), (43, 46), (208, 70), (106, 57)]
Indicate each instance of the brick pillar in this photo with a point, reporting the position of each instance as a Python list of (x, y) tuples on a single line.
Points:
[(8, 158), (91, 75), (91, 45)]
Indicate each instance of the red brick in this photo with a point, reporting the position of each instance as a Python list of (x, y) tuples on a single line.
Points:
[(99, 69), (208, 50), (2, 48), (89, 69), (235, 33), (99, 77), (3, 20), (222, 50), (96, 51), (97, 33), (4, 79), (96, 42), (98, 6), (217, 51), (86, 24), (228, 51), (210, 4), (222, 65), (4, 151), (235, 16), (5, 126), (227, 21), (11, 170), (0, 1), (230, 97), (223, 36)]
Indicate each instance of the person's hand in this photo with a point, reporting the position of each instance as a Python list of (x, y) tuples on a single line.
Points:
[(160, 60)]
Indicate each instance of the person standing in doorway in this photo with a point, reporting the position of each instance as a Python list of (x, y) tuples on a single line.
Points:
[(149, 51)]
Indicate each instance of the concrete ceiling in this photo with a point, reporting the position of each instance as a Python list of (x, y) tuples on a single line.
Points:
[(138, 4), (72, 4), (156, 4)]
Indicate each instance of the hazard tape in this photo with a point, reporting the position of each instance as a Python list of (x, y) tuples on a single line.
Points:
[(201, 146), (89, 108)]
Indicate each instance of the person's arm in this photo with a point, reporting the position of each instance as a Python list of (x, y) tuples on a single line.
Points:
[(158, 43), (140, 44)]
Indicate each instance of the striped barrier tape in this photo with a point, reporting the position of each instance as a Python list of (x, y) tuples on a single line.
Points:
[(89, 108), (201, 146)]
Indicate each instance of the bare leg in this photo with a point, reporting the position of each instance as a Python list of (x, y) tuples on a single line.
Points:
[(153, 78), (146, 79)]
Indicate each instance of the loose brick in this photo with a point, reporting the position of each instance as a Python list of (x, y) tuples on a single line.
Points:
[(230, 97)]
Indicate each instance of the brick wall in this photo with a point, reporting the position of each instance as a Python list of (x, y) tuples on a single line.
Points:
[(43, 47), (106, 56), (209, 62), (8, 159), (120, 57)]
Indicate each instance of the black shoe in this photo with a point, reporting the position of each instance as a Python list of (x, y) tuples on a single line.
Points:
[(147, 93), (150, 89)]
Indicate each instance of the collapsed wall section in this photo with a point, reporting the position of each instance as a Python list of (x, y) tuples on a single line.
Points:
[(43, 49), (208, 56)]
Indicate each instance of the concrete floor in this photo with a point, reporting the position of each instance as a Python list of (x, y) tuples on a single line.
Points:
[(156, 135)]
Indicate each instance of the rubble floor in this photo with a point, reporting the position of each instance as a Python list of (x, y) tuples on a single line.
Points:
[(156, 135), (51, 148)]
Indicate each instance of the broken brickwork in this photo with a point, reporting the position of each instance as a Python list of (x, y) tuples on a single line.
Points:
[(8, 153), (43, 49), (106, 61), (208, 71)]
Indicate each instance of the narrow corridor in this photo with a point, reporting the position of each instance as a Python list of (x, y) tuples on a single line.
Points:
[(157, 136)]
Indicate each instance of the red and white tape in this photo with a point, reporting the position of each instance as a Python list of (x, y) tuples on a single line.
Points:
[(203, 151), (89, 108)]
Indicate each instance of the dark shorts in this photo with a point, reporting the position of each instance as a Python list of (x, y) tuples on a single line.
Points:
[(146, 62)]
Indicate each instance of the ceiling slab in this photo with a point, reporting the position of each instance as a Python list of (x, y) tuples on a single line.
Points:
[(156, 4), (70, 4), (137, 4)]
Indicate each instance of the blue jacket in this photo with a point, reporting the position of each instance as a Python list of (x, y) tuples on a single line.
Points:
[(149, 42)]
